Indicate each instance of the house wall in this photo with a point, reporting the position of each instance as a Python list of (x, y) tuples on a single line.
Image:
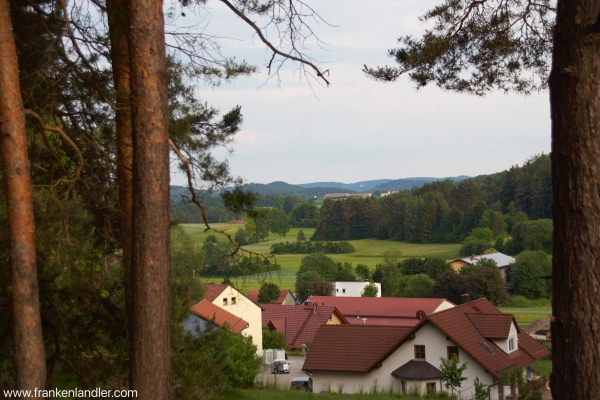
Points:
[(435, 347), (351, 288), (289, 300), (334, 319), (243, 308), (503, 344), (444, 306)]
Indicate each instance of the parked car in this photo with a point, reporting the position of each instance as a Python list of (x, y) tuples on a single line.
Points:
[(280, 366), (302, 383)]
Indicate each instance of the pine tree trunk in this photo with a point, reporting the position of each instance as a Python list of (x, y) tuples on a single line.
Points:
[(575, 107), (30, 358), (150, 264), (118, 26)]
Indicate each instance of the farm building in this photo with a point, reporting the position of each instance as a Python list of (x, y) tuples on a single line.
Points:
[(355, 358)]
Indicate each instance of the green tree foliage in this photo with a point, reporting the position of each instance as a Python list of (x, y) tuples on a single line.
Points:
[(273, 339), (363, 272), (451, 286), (527, 272), (486, 282), (482, 391), (392, 280), (370, 290), (278, 222), (452, 373), (304, 215), (420, 285), (217, 259), (301, 236), (289, 204), (532, 235), (242, 237), (321, 264), (268, 293), (309, 247), (345, 272), (432, 266), (320, 288), (303, 281), (479, 240)]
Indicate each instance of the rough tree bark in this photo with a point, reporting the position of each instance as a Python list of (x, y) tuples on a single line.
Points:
[(150, 258), (118, 26), (575, 109), (30, 358)]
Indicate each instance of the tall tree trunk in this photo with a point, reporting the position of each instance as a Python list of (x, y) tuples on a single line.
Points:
[(118, 27), (575, 107), (150, 258), (30, 358)]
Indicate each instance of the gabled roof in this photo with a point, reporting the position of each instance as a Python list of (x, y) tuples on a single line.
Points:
[(298, 323), (418, 370), (353, 348), (492, 326), (381, 310), (501, 259), (457, 324), (207, 311), (213, 290), (253, 295)]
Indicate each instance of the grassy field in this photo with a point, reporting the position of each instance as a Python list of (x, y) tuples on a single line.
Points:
[(368, 252), (527, 315)]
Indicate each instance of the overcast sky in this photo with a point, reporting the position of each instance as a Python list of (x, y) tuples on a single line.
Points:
[(357, 129)]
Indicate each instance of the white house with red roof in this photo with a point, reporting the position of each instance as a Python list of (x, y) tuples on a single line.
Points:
[(229, 299), (354, 358), (401, 311), (352, 288)]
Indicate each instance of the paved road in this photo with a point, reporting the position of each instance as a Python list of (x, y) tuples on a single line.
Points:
[(283, 380)]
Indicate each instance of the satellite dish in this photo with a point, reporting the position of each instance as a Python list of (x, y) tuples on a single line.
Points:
[(421, 314)]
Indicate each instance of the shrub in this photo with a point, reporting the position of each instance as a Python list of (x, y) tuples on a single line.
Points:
[(517, 301)]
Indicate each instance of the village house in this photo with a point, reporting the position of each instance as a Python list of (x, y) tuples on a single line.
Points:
[(354, 358), (502, 260), (205, 314), (399, 311), (299, 323), (352, 288), (229, 299), (286, 297)]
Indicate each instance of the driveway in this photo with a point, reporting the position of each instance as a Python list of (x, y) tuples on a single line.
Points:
[(283, 380)]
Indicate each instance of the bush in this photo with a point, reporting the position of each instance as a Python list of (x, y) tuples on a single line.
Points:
[(517, 301), (310, 247)]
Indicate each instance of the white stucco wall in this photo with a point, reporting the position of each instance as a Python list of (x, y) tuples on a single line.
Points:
[(289, 300), (435, 347), (245, 309), (503, 344), (444, 306), (352, 288)]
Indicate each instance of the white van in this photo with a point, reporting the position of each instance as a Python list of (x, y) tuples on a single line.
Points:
[(302, 383)]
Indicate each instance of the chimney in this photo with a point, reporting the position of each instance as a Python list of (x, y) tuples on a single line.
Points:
[(357, 313), (465, 298), (308, 303)]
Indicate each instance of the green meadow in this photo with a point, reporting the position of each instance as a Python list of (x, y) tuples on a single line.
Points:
[(368, 251)]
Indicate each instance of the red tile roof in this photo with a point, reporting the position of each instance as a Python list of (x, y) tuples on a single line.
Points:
[(353, 348), (213, 290), (457, 324), (298, 323), (359, 348), (492, 326), (253, 295), (207, 311), (380, 310)]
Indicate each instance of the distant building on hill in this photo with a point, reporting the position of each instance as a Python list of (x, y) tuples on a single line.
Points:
[(343, 196)]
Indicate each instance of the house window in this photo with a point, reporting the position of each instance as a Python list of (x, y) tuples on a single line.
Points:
[(343, 290), (233, 301), (419, 352), (331, 317), (452, 352), (430, 387), (224, 301), (511, 344)]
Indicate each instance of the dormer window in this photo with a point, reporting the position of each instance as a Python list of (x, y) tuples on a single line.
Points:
[(511, 344), (224, 301), (233, 301)]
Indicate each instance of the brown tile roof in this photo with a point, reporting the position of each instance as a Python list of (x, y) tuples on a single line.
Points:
[(207, 311), (298, 323), (456, 323), (253, 295), (353, 348), (213, 290), (417, 369), (492, 326), (380, 310)]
